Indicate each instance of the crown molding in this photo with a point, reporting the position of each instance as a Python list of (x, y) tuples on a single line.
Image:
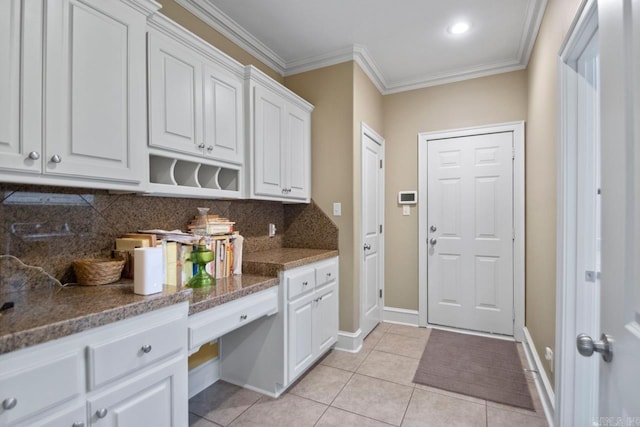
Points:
[(218, 20), (454, 76)]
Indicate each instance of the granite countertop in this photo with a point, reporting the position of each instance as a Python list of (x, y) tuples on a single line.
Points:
[(43, 314), (46, 312), (271, 262)]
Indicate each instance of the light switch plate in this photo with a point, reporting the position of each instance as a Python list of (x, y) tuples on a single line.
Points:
[(406, 210), (337, 209)]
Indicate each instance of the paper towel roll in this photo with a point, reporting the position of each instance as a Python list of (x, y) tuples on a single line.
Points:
[(237, 255), (148, 271)]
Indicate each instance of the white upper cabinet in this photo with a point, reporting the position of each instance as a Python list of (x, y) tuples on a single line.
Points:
[(279, 127), (94, 90), (20, 51), (195, 98), (73, 93), (175, 96)]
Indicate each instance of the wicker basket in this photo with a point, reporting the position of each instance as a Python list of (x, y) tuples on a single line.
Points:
[(98, 271)]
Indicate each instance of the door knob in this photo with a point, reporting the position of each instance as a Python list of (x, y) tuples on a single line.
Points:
[(433, 241), (367, 246), (586, 346), (433, 228)]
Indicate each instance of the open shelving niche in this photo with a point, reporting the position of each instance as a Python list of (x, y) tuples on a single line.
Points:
[(188, 177)]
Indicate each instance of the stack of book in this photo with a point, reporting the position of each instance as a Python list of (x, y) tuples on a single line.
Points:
[(214, 225), (177, 247)]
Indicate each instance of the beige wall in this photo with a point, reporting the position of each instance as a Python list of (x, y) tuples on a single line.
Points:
[(494, 99), (541, 151), (331, 91), (185, 18)]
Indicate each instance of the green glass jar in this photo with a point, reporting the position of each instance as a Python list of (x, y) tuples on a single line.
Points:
[(201, 256)]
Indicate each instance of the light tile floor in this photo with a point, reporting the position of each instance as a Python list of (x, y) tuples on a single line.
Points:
[(370, 388)]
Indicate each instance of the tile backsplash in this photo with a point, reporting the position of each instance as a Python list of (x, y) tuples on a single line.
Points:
[(50, 227)]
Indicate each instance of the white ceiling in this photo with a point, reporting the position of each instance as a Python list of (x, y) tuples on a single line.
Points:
[(401, 45)]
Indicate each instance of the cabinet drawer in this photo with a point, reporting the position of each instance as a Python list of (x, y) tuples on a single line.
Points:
[(301, 282), (38, 387), (125, 354), (326, 272), (215, 322)]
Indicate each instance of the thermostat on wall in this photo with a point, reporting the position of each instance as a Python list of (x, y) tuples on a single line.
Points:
[(407, 197)]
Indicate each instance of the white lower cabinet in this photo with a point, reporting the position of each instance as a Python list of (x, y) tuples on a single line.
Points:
[(269, 354), (127, 373)]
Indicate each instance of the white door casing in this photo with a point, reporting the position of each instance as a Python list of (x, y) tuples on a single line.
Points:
[(480, 242), (371, 228), (578, 294), (615, 384)]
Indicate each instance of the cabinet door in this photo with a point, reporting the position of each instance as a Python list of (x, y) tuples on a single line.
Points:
[(269, 122), (151, 400), (325, 319), (301, 353), (297, 159), (175, 96), (14, 146), (95, 109), (223, 136)]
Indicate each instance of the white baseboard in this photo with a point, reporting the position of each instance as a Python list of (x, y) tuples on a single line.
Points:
[(543, 385), (202, 376), (349, 341), (400, 316)]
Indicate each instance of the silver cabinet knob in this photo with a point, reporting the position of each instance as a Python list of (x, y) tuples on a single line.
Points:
[(210, 148), (78, 424), (433, 241), (56, 159), (243, 317), (201, 146), (305, 283), (433, 228), (34, 155), (146, 348), (367, 246), (101, 413), (586, 346), (9, 403)]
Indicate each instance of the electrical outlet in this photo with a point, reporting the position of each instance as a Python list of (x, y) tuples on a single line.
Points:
[(272, 230), (548, 354), (337, 209)]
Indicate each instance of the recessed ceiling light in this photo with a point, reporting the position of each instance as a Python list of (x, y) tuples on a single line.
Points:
[(459, 28)]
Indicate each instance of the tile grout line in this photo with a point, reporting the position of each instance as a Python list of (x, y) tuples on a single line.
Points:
[(407, 408)]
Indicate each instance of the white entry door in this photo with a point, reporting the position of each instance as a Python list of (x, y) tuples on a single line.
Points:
[(372, 260), (470, 232)]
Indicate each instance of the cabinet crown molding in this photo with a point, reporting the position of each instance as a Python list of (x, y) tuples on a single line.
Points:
[(177, 32), (147, 7), (253, 73)]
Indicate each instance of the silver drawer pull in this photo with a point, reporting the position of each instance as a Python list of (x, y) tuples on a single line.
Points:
[(56, 158), (9, 403), (146, 348), (305, 283), (101, 413), (243, 317), (78, 424), (328, 274), (34, 155)]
